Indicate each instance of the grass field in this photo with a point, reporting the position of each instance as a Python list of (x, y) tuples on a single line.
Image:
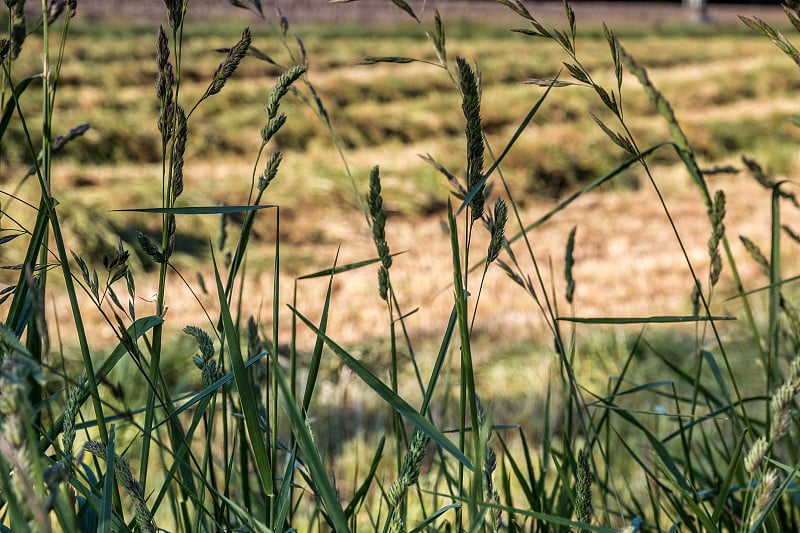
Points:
[(388, 114), (731, 91)]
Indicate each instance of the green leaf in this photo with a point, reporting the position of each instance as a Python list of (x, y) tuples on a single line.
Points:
[(344, 268), (247, 398), (107, 502), (316, 354), (372, 60), (395, 401), (429, 520), (666, 319), (8, 110), (197, 210), (439, 363), (361, 492), (723, 490), (318, 473)]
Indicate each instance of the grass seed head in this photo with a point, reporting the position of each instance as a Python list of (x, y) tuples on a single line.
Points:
[(755, 457), (410, 469), (271, 171), (496, 224), (175, 10), (76, 395), (755, 252), (764, 494), (179, 151), (378, 222), (569, 263), (18, 28), (471, 107), (172, 230), (272, 127), (122, 471), (229, 65), (716, 215), (149, 247), (280, 89), (583, 489), (54, 10)]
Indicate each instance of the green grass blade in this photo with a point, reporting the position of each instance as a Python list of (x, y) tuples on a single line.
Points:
[(135, 331), (722, 492), (468, 396), (666, 319), (19, 312), (283, 502), (544, 519), (660, 450), (211, 389), (525, 483), (8, 111), (717, 373), (689, 497), (429, 520), (775, 298), (345, 268), (198, 210), (316, 355), (395, 401), (319, 474), (360, 494), (247, 399), (439, 363), (107, 502)]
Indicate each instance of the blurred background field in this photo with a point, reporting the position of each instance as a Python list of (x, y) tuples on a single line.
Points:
[(731, 91)]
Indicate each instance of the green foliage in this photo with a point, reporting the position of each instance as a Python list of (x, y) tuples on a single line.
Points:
[(681, 438)]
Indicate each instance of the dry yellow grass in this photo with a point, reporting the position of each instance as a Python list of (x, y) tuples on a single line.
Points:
[(628, 263)]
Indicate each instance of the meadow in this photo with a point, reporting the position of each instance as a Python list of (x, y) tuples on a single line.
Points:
[(627, 358)]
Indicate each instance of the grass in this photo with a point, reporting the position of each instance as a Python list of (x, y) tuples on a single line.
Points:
[(420, 400)]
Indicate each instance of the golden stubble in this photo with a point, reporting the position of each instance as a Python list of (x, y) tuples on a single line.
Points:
[(628, 263)]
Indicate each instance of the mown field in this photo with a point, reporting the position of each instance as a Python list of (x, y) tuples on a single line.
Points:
[(732, 92)]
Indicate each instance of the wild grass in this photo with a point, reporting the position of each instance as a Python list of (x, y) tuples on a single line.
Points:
[(231, 421)]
